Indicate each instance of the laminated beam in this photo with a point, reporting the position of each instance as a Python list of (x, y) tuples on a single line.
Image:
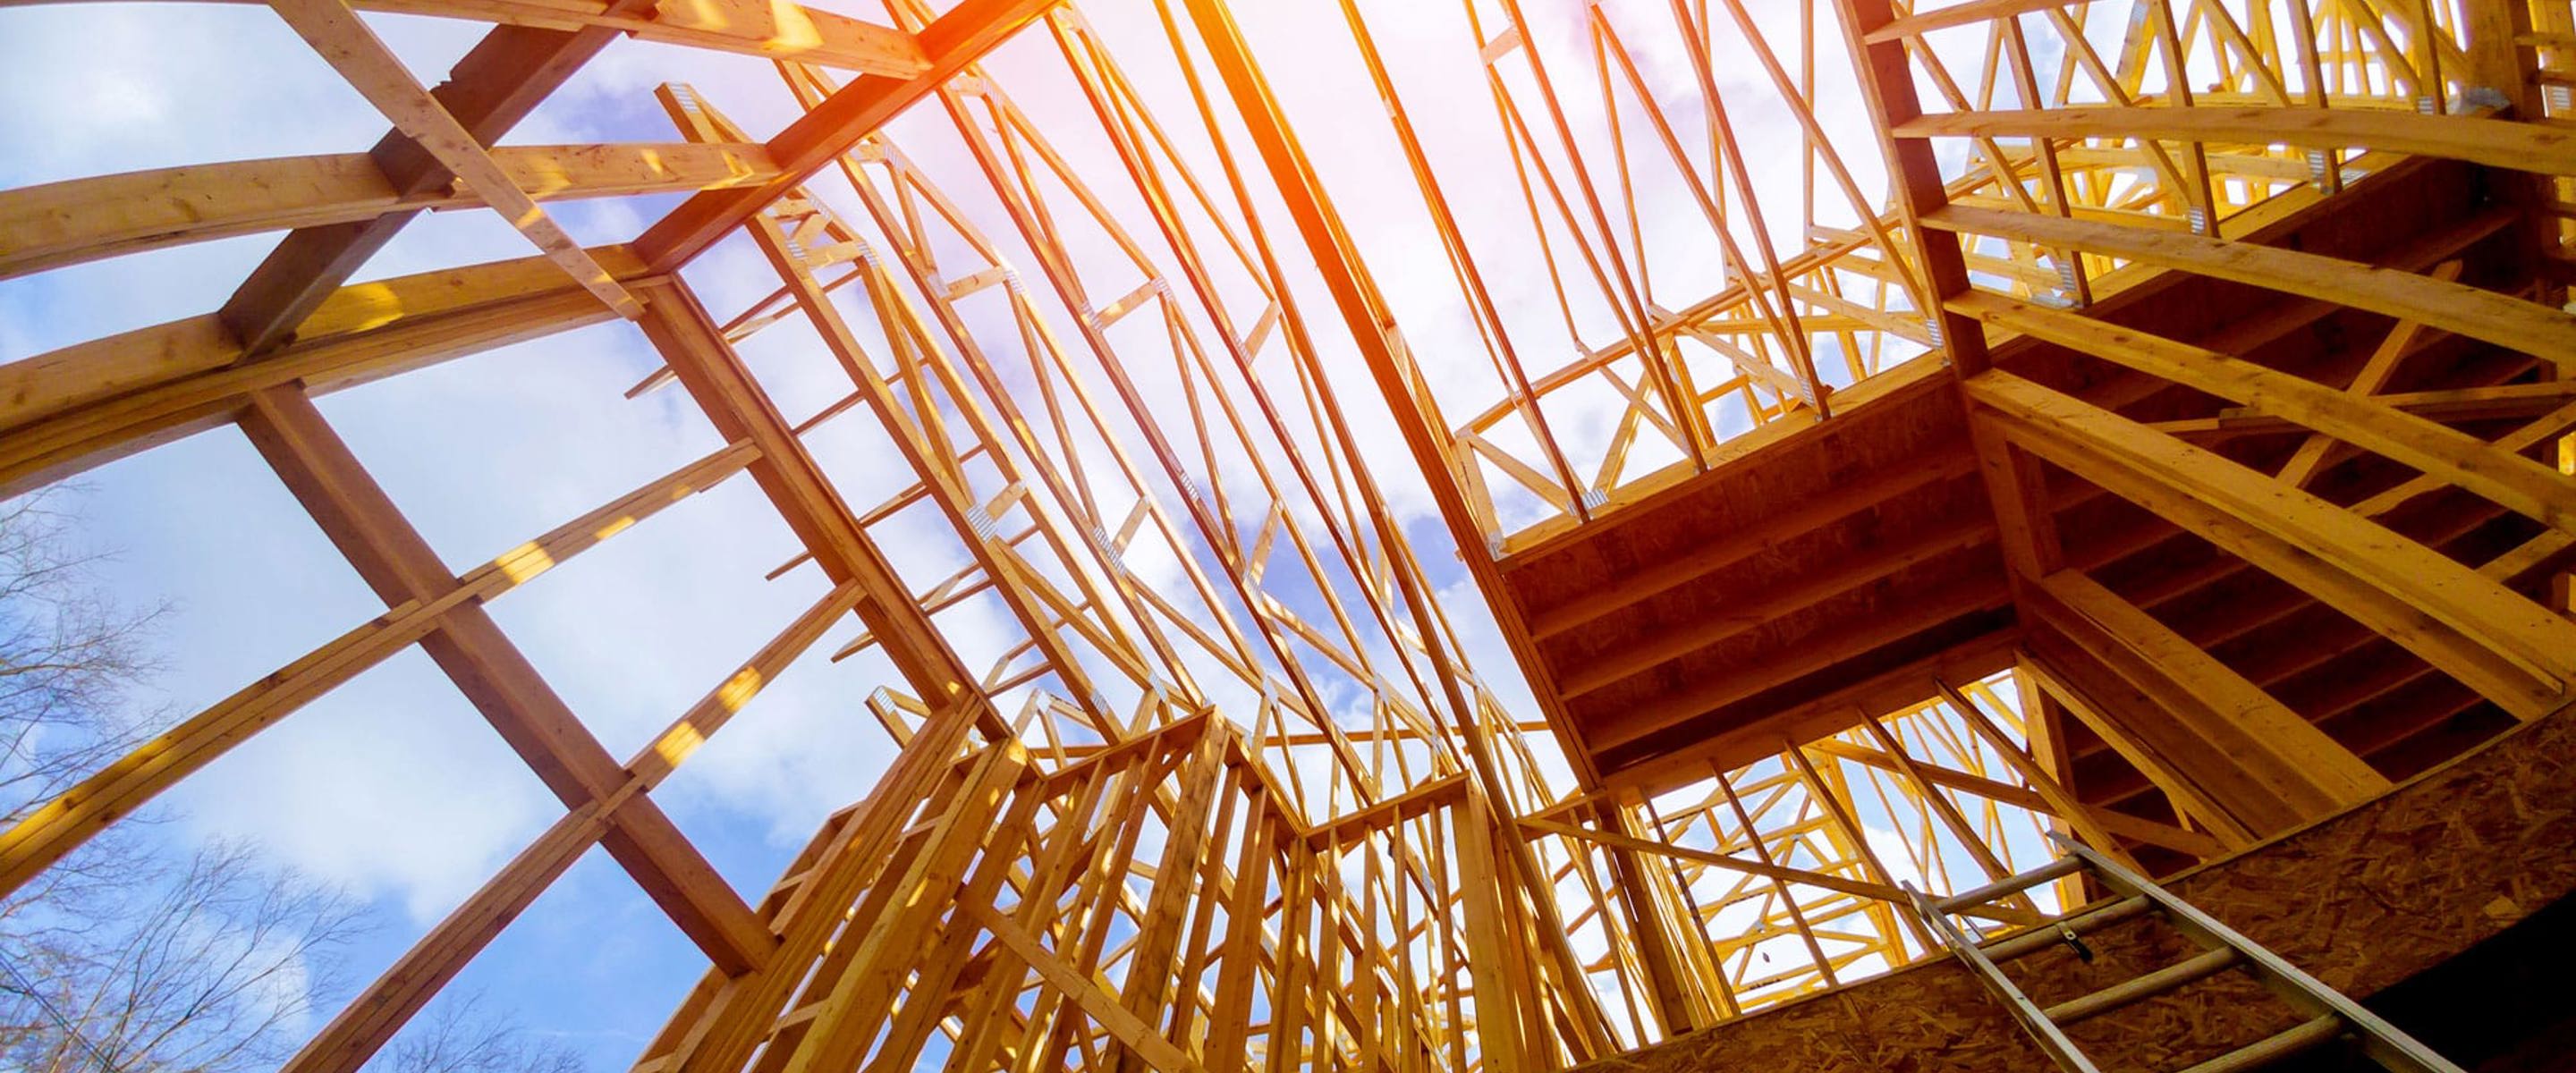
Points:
[(2265, 764), (372, 1019), (2130, 723), (2496, 143), (67, 223), (2511, 480), (824, 132), (2524, 327), (749, 27), (398, 563), (63, 824), (70, 410), (495, 85), (2501, 644), (354, 50)]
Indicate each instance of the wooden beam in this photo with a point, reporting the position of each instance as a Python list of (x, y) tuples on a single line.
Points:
[(2115, 823), (2511, 480), (1136, 1035), (1887, 86), (727, 1018), (1829, 795), (70, 410), (1756, 841), (371, 1019), (2496, 143), (1856, 888), (714, 375), (496, 84), (354, 50), (368, 1022), (1358, 823), (1666, 963), (1149, 985), (1942, 808), (494, 676), (1963, 597), (2493, 639), (2130, 723), (896, 921), (2269, 766), (1866, 567), (779, 31), (782, 31), (2448, 406), (67, 223), (2084, 820), (1742, 543), (2025, 515), (59, 826), (1958, 14), (2524, 327), (1372, 329), (2016, 490), (951, 42), (1503, 1014)]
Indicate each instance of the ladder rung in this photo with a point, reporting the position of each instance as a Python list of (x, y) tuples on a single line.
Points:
[(2046, 935), (2142, 988), (2273, 1048), (2010, 885)]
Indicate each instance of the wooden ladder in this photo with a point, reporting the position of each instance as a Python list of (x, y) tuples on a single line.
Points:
[(2330, 1015)]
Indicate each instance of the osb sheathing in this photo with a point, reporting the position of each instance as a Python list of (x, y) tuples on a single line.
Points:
[(2362, 901)]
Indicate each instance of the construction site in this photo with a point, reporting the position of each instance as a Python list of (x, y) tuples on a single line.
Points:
[(1420, 535)]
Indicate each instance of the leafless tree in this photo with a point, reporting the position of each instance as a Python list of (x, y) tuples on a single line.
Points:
[(460, 1037), (201, 964), (133, 955), (68, 655)]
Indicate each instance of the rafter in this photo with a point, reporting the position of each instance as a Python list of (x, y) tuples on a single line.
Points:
[(2541, 331), (1192, 768), (361, 57), (2493, 142), (66, 223)]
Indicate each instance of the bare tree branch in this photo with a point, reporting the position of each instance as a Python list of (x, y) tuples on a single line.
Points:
[(133, 954)]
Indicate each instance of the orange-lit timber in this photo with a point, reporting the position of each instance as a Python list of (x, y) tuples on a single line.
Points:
[(2179, 461)]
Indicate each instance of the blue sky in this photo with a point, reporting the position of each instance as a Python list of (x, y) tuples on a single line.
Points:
[(392, 786)]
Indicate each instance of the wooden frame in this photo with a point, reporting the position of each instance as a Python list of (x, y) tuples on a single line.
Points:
[(1233, 756)]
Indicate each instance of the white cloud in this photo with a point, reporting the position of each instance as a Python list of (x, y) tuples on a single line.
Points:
[(393, 786), (1894, 854), (390, 786)]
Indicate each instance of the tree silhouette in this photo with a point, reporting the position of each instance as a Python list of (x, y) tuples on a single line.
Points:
[(132, 955)]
